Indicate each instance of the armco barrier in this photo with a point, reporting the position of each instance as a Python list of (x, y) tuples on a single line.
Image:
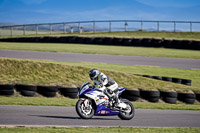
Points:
[(139, 42)]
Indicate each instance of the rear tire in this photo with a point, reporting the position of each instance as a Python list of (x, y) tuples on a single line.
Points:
[(130, 115), (80, 112)]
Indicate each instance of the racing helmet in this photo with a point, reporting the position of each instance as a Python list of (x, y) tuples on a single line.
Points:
[(93, 73)]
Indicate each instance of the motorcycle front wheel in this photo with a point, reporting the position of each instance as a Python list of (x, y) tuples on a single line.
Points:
[(129, 112), (85, 112)]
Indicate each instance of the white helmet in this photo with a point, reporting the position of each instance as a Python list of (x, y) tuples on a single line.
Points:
[(93, 73)]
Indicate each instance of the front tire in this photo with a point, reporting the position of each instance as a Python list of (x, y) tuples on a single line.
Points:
[(83, 111), (129, 113)]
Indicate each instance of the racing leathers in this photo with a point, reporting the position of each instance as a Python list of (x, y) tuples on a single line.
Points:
[(112, 87)]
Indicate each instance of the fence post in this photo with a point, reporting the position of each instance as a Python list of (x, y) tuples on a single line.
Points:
[(94, 27), (141, 25), (190, 26), (36, 29), (72, 30), (24, 30), (1, 32), (174, 26), (11, 31), (126, 26), (64, 28), (50, 28), (158, 26), (110, 26), (79, 25), (80, 30)]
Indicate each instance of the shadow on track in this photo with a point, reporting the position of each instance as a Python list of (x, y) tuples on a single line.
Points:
[(69, 117)]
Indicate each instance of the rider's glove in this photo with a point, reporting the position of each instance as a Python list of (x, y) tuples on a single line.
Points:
[(101, 85)]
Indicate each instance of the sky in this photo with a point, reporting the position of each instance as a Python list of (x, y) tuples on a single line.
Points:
[(50, 11)]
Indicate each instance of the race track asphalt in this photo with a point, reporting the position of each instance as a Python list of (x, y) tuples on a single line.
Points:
[(100, 58), (66, 116)]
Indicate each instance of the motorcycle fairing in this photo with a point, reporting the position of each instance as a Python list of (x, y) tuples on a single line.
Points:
[(120, 90), (103, 110)]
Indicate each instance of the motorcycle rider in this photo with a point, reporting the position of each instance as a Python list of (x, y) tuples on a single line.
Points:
[(101, 80)]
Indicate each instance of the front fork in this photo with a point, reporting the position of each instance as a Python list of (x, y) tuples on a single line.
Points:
[(86, 102)]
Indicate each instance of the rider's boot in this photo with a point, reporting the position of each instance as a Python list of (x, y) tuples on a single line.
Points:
[(113, 96), (116, 100), (118, 103), (110, 95)]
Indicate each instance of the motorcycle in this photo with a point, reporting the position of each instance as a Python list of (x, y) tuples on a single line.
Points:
[(95, 101)]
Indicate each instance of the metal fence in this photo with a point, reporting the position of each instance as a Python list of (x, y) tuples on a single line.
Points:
[(100, 26)]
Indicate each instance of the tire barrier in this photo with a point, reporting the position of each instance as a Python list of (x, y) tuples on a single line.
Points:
[(146, 42), (71, 92), (169, 79), (186, 82), (157, 77), (138, 42), (99, 40), (26, 90), (151, 96), (156, 43), (188, 98), (47, 91), (127, 42), (108, 41), (147, 76), (176, 80), (132, 95), (195, 45), (6, 90), (169, 97), (198, 97)]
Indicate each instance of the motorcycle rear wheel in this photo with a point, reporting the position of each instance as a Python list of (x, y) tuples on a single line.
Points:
[(127, 116), (83, 113)]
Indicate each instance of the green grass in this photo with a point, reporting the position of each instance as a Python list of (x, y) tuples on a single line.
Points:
[(150, 34), (38, 100), (67, 102), (192, 74), (97, 130), (65, 74), (131, 34), (97, 49), (44, 73)]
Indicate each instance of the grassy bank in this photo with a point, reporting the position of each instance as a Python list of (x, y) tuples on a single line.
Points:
[(42, 73), (193, 74), (97, 49), (98, 130)]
